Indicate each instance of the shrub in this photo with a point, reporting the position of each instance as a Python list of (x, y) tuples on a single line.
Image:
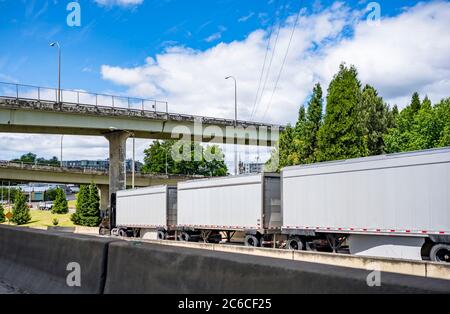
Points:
[(21, 212), (60, 205)]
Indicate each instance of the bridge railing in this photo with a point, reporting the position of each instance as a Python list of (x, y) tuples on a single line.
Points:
[(80, 97)]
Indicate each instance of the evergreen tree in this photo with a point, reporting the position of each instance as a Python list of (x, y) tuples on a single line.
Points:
[(374, 121), (82, 205), (88, 207), (341, 135), (312, 125), (60, 205), (415, 103), (93, 211), (442, 117), (21, 212), (2, 214)]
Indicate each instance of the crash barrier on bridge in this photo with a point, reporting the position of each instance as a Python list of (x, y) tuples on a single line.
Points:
[(49, 262), (46, 262), (137, 267)]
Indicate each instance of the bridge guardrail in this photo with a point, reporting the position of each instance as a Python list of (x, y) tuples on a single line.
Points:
[(78, 97)]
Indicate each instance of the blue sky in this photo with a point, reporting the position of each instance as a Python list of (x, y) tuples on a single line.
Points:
[(181, 51), (126, 35)]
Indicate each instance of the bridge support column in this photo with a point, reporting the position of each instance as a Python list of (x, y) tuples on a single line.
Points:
[(117, 157), (104, 197)]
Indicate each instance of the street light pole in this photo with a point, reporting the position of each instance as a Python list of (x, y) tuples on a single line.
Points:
[(56, 44), (61, 160), (133, 162), (236, 166)]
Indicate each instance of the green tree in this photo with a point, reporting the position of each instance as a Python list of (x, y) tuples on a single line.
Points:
[(2, 214), (375, 115), (21, 212), (341, 135), (82, 205), (313, 123), (88, 207), (415, 103), (60, 205), (50, 195), (191, 159)]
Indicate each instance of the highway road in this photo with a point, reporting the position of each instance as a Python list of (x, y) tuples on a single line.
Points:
[(5, 288)]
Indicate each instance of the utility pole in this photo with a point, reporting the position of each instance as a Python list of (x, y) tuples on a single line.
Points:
[(236, 166), (61, 160)]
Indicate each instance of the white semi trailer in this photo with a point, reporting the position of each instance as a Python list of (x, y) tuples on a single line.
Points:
[(248, 203), (391, 206), (149, 212)]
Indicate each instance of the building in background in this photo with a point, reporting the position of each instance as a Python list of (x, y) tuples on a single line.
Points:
[(102, 165), (251, 167)]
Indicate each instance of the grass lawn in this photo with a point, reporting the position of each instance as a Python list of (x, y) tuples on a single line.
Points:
[(40, 218), (72, 204)]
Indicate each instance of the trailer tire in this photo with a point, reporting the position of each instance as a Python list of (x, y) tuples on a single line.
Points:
[(123, 233), (294, 244), (440, 253), (162, 235), (184, 237), (251, 241)]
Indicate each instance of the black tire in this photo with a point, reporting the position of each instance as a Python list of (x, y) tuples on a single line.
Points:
[(184, 237), (251, 241), (162, 235), (123, 233), (440, 253), (294, 244)]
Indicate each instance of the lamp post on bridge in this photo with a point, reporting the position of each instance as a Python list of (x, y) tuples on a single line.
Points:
[(56, 44), (236, 166)]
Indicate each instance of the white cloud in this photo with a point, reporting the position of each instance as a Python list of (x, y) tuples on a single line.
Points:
[(405, 53), (123, 3)]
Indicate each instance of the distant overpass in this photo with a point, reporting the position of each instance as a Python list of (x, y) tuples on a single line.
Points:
[(33, 109), (23, 172)]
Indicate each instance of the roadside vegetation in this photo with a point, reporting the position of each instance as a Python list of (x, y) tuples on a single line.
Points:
[(87, 207), (357, 122)]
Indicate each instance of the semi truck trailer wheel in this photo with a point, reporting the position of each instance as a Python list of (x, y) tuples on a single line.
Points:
[(251, 241), (294, 244), (185, 237), (162, 235), (440, 253), (123, 233)]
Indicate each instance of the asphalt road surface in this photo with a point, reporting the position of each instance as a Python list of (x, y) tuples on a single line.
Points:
[(7, 289)]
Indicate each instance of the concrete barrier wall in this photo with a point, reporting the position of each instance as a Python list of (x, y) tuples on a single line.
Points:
[(399, 266), (36, 260), (137, 267)]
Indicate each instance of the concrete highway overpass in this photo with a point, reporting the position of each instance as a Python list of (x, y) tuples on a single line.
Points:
[(19, 172), (30, 109)]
